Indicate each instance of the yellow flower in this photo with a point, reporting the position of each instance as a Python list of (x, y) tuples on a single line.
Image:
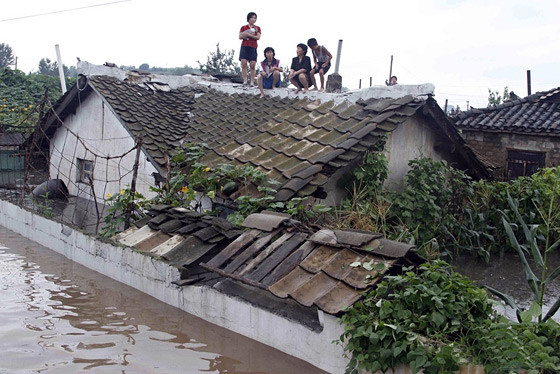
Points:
[(108, 195), (13, 109), (4, 99), (122, 192), (211, 194), (30, 105), (25, 109), (221, 188), (184, 189), (207, 169)]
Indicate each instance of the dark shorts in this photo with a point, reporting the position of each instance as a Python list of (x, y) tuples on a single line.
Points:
[(296, 78), (267, 82), (248, 53), (325, 69)]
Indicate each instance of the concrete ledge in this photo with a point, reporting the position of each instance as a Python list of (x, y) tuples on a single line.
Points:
[(154, 278)]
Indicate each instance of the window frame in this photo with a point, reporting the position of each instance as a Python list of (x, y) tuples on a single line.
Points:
[(84, 174)]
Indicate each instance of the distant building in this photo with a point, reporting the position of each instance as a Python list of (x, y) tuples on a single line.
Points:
[(517, 137)]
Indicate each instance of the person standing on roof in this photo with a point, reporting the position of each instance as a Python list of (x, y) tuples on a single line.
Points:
[(322, 58), (270, 70), (249, 34)]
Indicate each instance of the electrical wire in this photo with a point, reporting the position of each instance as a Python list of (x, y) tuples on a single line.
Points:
[(62, 11)]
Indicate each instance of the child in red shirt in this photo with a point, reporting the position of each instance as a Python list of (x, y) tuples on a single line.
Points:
[(249, 33)]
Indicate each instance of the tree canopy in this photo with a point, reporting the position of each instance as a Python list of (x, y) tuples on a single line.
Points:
[(494, 97), (220, 62), (6, 56)]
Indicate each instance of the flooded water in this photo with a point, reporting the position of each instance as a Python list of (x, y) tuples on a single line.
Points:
[(506, 274), (60, 317)]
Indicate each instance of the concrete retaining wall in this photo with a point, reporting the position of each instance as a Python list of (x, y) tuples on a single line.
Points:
[(154, 278)]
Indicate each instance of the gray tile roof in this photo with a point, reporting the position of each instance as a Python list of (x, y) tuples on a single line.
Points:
[(272, 252), (534, 114)]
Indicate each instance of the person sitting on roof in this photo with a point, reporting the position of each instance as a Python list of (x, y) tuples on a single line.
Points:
[(322, 58), (299, 71), (270, 71)]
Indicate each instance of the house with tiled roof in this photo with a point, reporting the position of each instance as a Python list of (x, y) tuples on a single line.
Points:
[(305, 142), (518, 136)]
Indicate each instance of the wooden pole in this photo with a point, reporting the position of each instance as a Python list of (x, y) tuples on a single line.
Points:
[(528, 82), (445, 108), (133, 184), (370, 81), (360, 86)]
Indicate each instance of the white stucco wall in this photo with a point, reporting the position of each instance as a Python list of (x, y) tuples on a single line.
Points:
[(104, 136), (411, 139), (154, 277)]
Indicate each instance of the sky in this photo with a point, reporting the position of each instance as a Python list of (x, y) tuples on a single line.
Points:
[(462, 47)]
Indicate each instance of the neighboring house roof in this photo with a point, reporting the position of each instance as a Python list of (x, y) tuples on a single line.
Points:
[(11, 139), (297, 141), (274, 253), (537, 114)]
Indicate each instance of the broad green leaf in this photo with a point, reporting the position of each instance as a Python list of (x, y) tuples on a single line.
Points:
[(526, 316), (535, 309), (505, 298), (368, 265)]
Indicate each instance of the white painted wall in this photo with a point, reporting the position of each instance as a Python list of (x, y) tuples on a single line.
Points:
[(411, 139), (101, 135), (154, 277)]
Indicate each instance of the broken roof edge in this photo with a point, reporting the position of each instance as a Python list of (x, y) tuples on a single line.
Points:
[(420, 91)]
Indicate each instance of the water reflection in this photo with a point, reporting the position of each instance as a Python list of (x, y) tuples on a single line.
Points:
[(61, 317)]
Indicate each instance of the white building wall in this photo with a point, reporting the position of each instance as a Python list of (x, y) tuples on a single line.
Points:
[(411, 139), (154, 277), (101, 135)]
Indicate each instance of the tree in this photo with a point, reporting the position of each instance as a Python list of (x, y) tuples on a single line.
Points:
[(6, 56), (220, 62), (494, 97), (144, 66), (46, 67)]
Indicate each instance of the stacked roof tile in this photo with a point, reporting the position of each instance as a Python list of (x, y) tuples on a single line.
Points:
[(328, 269), (298, 142), (534, 114)]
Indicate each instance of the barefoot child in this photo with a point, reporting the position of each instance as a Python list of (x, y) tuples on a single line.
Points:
[(270, 70), (322, 58), (299, 71), (249, 33)]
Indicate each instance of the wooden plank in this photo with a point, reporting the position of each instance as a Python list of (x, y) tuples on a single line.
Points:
[(272, 261), (233, 248), (264, 254), (250, 251), (289, 263)]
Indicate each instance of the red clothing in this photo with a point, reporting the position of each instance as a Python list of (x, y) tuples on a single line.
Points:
[(250, 42)]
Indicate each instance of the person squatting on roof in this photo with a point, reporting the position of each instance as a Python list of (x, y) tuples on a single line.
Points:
[(322, 62), (300, 68), (249, 33), (270, 71)]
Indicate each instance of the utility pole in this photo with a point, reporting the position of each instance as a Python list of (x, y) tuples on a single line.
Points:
[(391, 69)]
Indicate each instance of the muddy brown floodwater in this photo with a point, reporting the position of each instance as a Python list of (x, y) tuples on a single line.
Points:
[(506, 274), (59, 317)]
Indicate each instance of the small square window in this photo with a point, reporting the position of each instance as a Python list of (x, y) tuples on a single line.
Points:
[(85, 171)]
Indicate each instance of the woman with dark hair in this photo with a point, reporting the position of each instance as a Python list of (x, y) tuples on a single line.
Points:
[(249, 33), (270, 70), (299, 71)]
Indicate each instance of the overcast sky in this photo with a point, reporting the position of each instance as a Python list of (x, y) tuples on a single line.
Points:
[(462, 47)]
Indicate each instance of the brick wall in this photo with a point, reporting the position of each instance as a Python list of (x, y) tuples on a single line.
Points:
[(494, 147)]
